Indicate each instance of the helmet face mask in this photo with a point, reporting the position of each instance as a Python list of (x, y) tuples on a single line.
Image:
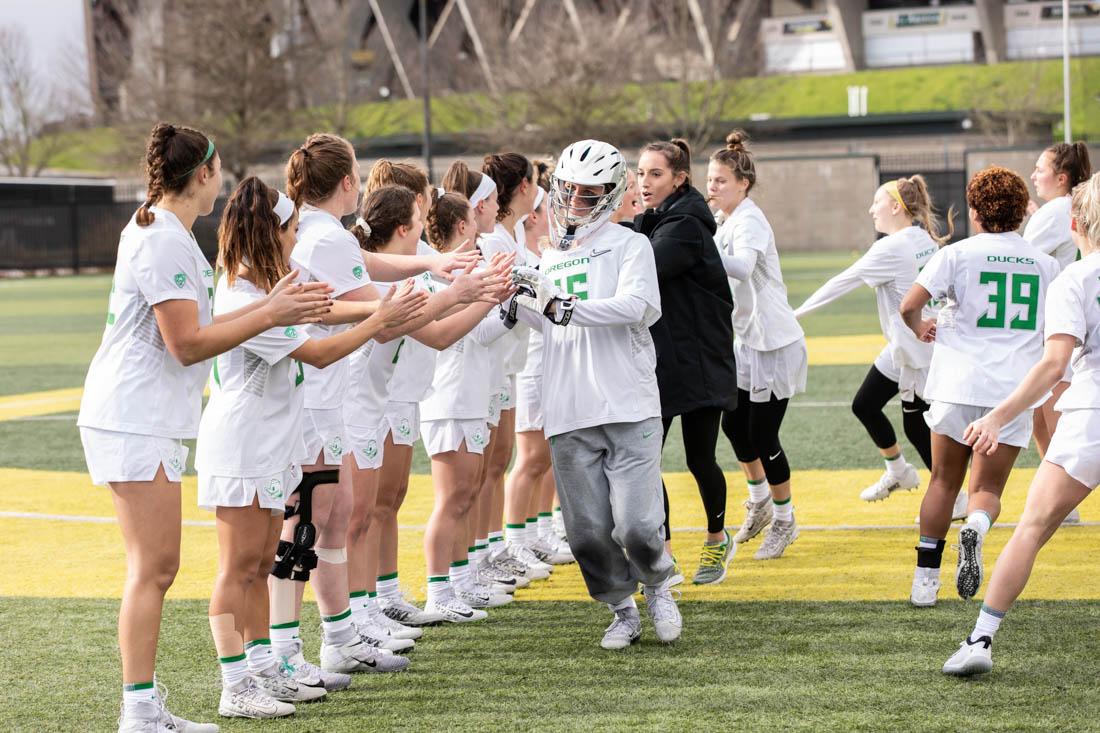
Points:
[(587, 187)]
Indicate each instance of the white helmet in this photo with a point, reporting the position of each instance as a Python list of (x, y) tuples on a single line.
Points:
[(584, 163)]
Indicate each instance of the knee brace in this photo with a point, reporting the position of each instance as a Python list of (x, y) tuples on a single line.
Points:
[(295, 559)]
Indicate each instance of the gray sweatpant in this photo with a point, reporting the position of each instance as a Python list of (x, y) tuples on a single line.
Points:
[(609, 485)]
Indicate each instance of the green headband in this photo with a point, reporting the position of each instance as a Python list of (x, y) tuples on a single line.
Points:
[(205, 159)]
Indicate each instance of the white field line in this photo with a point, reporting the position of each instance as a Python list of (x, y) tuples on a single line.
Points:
[(420, 527)]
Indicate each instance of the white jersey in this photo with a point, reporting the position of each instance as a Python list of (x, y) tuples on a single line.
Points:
[(512, 349), (1048, 231), (462, 383), (890, 267), (989, 332), (370, 368), (134, 385), (328, 253), (601, 368), (411, 380), (252, 425), (762, 317), (532, 367), (1073, 307)]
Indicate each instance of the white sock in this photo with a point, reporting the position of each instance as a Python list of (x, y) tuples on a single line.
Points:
[(531, 531), (627, 602), (895, 466), (260, 655), (439, 588), (338, 629), (137, 696), (359, 603), (460, 574), (980, 520), (783, 512), (758, 491), (481, 551), (546, 524), (388, 587), (514, 533), (234, 670), (989, 620), (928, 573), (285, 637), (496, 544)]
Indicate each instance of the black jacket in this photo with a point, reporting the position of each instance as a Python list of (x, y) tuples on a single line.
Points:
[(694, 337)]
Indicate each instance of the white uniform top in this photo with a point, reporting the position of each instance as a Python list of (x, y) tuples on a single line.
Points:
[(252, 425), (1073, 307), (762, 317), (512, 349), (601, 368), (890, 267), (990, 328), (462, 383), (370, 368), (411, 380), (533, 366), (328, 253), (134, 385), (1048, 231)]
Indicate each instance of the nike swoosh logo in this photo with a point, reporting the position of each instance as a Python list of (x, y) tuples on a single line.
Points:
[(772, 458), (909, 412), (758, 391), (719, 515), (598, 252), (463, 614), (647, 434)]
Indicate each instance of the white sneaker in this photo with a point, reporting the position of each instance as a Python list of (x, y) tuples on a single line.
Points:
[(454, 610), (888, 484), (975, 656), (663, 612), (1074, 516), (374, 635), (179, 724), (536, 569), (496, 578), (969, 571), (477, 595), (559, 525), (757, 517), (563, 548), (409, 614), (780, 535), (247, 700), (508, 564), (278, 684), (926, 586), (624, 630), (150, 717), (298, 668), (547, 552), (393, 628), (355, 656)]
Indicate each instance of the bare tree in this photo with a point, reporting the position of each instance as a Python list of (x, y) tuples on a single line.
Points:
[(33, 110), (1019, 117)]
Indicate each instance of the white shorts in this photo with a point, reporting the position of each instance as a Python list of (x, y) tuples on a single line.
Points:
[(402, 421), (507, 396), (947, 418), (367, 444), (1075, 445), (324, 430), (910, 381), (114, 457), (529, 403), (232, 491), (494, 409), (444, 436), (780, 373)]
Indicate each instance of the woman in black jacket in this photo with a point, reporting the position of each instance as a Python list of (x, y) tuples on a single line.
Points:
[(694, 337)]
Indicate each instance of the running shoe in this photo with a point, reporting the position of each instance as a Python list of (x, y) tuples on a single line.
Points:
[(781, 534), (714, 561), (663, 611), (246, 699), (758, 515), (376, 636), (454, 610), (355, 656), (477, 595), (407, 613), (888, 484), (625, 629), (296, 666), (975, 656), (278, 684)]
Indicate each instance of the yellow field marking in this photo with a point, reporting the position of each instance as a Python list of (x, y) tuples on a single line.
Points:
[(80, 559), (32, 404), (840, 350)]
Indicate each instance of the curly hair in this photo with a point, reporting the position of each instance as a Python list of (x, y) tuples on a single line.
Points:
[(446, 212), (249, 232), (172, 155), (508, 171), (384, 210), (315, 169), (999, 198)]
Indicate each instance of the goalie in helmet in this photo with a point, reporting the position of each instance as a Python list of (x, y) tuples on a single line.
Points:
[(594, 297)]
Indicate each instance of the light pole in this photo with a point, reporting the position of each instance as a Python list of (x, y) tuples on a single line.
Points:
[(1066, 129), (425, 69)]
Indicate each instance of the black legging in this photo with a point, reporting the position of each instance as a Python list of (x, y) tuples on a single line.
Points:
[(753, 431), (700, 429), (878, 389)]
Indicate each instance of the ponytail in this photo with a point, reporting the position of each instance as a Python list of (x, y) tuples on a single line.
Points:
[(443, 218), (249, 233), (916, 199), (460, 179), (387, 173), (678, 154), (383, 211), (1072, 159), (315, 169)]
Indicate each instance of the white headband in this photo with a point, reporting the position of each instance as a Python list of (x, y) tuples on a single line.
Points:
[(284, 208), (362, 224), (540, 194), (486, 187), (439, 192)]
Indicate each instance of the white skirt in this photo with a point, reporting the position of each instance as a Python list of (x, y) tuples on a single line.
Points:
[(529, 403), (233, 491), (445, 436), (114, 457), (323, 430), (367, 443), (780, 373), (950, 419), (402, 422), (1075, 445)]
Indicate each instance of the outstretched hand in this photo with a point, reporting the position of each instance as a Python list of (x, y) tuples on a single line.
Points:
[(291, 303)]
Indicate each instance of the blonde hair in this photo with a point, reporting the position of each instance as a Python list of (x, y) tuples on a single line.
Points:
[(1085, 210), (918, 202)]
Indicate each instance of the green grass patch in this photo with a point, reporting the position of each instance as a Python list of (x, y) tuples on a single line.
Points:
[(752, 666)]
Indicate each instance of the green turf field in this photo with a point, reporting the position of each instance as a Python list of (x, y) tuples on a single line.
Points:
[(806, 662)]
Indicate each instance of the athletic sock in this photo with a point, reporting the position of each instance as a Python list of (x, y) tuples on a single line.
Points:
[(546, 525), (758, 490), (515, 533), (136, 695), (782, 511), (531, 531), (338, 629), (359, 603), (285, 638), (234, 670), (439, 588), (895, 465), (481, 551), (388, 587), (496, 544), (460, 573), (980, 520), (930, 552), (260, 654), (627, 602), (989, 620)]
